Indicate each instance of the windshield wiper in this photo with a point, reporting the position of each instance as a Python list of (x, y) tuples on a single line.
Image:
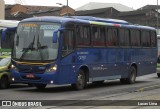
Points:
[(30, 47), (39, 46)]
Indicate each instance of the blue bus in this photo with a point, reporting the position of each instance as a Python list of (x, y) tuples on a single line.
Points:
[(80, 49), (5, 46)]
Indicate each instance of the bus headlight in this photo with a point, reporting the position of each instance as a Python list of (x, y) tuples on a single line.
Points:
[(14, 67), (52, 69)]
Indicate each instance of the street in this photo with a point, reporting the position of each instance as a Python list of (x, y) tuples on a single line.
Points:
[(146, 88)]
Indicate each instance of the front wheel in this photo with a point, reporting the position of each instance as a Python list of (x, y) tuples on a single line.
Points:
[(81, 81), (40, 86), (4, 83)]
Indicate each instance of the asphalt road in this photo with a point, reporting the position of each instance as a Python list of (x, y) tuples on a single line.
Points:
[(146, 88)]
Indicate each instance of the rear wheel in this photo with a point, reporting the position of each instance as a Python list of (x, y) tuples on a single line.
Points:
[(81, 81), (158, 74), (40, 86), (131, 77), (123, 80), (4, 82)]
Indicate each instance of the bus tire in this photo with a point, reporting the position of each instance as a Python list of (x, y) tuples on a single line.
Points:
[(158, 74), (132, 75), (4, 82), (40, 86), (81, 81), (123, 80)]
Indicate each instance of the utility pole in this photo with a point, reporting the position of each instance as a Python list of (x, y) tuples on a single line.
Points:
[(67, 3), (157, 17)]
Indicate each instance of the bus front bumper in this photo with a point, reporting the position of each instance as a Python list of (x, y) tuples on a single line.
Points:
[(33, 78)]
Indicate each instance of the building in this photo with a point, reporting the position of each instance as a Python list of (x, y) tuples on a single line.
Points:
[(149, 7), (96, 5), (19, 12), (59, 11), (142, 17), (109, 12), (2, 6), (146, 15)]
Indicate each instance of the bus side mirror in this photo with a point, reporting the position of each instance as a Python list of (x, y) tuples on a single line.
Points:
[(55, 35)]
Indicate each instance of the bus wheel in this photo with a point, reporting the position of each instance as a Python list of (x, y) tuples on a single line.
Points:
[(4, 82), (81, 81), (132, 75), (123, 80), (40, 86), (131, 78), (158, 74)]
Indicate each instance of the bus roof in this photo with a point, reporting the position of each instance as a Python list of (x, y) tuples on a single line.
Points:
[(88, 20), (8, 23), (106, 20)]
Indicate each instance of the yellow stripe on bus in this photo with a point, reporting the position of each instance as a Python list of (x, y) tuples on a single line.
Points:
[(100, 23), (30, 63)]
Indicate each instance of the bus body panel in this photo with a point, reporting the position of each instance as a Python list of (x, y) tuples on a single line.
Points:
[(110, 63)]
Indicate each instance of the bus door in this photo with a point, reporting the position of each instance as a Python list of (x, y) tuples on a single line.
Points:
[(67, 71)]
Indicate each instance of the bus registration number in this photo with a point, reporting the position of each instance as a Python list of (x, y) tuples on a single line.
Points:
[(30, 76)]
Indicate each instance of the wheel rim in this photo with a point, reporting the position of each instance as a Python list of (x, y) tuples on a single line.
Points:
[(133, 75), (80, 80)]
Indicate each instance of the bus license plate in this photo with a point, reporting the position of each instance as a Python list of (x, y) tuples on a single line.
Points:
[(30, 76)]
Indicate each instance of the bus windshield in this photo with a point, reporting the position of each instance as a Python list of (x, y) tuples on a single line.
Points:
[(33, 41)]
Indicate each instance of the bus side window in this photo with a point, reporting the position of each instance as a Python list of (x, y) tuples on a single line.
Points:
[(82, 36), (67, 42), (145, 38), (124, 37), (111, 39), (153, 39), (95, 36), (135, 38)]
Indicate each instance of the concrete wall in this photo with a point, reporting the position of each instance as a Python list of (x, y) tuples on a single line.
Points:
[(2, 6)]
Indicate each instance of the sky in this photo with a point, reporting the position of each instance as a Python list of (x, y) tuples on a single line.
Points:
[(135, 4)]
